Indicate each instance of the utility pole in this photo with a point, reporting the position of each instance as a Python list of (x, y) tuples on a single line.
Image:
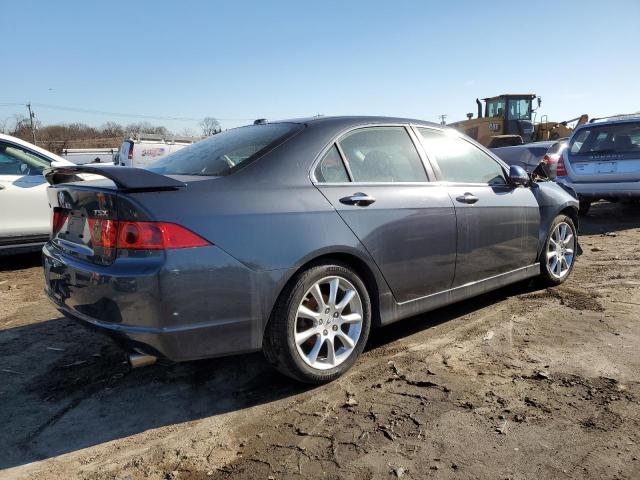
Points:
[(442, 119), (32, 115)]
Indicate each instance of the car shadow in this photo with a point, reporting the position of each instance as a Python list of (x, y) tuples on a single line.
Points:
[(65, 388), (10, 261)]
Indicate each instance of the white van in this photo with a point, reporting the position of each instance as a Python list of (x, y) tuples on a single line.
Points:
[(80, 156), (144, 149)]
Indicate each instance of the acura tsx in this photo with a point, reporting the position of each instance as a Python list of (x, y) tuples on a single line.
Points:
[(297, 238)]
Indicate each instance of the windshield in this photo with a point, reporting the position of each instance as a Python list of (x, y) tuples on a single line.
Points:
[(519, 109), (15, 160), (607, 139), (225, 152)]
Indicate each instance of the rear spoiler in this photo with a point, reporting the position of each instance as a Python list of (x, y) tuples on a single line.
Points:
[(125, 178)]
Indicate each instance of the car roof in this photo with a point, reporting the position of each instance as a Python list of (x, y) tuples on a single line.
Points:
[(355, 120), (606, 121), (35, 148), (635, 118)]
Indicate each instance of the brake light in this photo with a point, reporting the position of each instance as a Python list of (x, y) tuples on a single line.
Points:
[(130, 154), (59, 217), (548, 160), (561, 170), (142, 235)]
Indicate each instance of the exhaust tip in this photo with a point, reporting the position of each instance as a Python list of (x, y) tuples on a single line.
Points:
[(137, 360)]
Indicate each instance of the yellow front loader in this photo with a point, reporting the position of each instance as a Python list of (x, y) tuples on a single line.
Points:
[(508, 120)]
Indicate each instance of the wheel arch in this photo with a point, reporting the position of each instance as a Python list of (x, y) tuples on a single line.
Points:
[(373, 281), (567, 209)]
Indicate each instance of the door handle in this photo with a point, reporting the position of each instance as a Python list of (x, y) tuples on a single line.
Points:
[(467, 198), (358, 199)]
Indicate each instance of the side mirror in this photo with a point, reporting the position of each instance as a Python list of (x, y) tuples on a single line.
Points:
[(518, 176)]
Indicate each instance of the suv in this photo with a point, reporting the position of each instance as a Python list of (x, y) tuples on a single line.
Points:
[(602, 161)]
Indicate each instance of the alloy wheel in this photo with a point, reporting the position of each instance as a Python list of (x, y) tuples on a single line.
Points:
[(328, 323), (560, 250)]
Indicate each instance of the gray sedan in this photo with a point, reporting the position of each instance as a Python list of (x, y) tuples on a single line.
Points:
[(296, 238)]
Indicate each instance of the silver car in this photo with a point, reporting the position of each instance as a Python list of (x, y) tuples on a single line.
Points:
[(602, 161)]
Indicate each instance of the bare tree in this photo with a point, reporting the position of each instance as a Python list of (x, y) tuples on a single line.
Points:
[(210, 126), (112, 130)]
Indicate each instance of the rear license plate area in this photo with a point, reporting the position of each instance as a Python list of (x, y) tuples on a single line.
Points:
[(75, 229), (606, 167)]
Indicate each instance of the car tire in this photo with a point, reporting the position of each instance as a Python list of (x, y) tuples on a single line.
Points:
[(298, 314), (560, 249), (584, 207)]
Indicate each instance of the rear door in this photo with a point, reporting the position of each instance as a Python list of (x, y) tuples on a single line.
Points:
[(497, 223), (376, 180), (125, 155), (605, 153)]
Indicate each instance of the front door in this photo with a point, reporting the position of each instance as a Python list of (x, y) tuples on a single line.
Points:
[(497, 223), (24, 209), (376, 180)]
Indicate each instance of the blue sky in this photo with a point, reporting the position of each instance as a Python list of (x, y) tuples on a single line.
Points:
[(242, 60)]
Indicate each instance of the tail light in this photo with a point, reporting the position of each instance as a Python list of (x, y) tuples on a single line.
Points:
[(130, 154), (549, 160), (142, 235), (59, 217), (104, 232), (561, 170)]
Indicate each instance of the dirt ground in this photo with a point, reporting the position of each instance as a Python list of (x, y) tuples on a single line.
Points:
[(516, 384)]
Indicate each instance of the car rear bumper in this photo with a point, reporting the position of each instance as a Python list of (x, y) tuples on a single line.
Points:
[(598, 190), (187, 306)]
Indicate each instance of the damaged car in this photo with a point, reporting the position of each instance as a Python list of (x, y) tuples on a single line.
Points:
[(297, 238)]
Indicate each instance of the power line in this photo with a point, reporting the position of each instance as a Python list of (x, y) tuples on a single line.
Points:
[(118, 114)]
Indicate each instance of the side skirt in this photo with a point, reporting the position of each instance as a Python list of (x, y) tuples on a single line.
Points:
[(392, 311)]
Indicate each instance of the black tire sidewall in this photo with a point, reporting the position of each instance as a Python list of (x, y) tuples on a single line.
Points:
[(304, 282)]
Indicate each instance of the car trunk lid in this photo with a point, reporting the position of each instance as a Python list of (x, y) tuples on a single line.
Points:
[(83, 222), (86, 214)]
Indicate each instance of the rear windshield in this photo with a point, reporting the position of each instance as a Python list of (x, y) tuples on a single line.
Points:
[(556, 147), (225, 152), (607, 139)]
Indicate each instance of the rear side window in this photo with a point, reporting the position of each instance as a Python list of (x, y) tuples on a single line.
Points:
[(607, 139), (331, 169), (383, 154), (460, 161), (224, 153)]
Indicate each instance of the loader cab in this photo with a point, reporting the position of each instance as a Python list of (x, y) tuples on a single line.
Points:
[(516, 112)]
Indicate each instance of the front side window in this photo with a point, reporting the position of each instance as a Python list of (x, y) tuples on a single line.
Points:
[(461, 161), (224, 153), (382, 154), (331, 169), (15, 160)]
